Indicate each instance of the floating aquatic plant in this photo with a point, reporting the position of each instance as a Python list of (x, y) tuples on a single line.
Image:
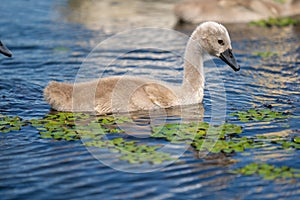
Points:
[(227, 146), (296, 140), (267, 171), (280, 1), (60, 126), (61, 49), (132, 151), (200, 135), (265, 54), (196, 134), (279, 22), (288, 143), (73, 126), (260, 115), (284, 141), (193, 131), (10, 123)]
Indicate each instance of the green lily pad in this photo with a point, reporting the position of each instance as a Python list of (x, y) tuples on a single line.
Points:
[(267, 171), (132, 152), (61, 49), (196, 134), (192, 131), (265, 54), (11, 123), (73, 126), (201, 136), (279, 22), (76, 126), (286, 142), (280, 1), (260, 115), (296, 140)]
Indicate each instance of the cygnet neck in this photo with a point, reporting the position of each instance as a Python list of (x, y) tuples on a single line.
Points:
[(193, 80)]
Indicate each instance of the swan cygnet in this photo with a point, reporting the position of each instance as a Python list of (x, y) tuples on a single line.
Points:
[(230, 11), (4, 50), (129, 93)]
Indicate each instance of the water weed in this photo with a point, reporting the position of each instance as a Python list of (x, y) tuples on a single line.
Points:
[(267, 171)]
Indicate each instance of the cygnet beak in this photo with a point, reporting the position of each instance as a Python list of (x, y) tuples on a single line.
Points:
[(228, 57), (4, 50)]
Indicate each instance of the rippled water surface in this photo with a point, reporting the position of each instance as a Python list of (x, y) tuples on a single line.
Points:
[(51, 39)]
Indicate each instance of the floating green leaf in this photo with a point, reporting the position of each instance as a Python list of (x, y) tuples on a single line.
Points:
[(286, 142), (280, 1), (269, 172), (296, 140), (201, 135), (227, 146), (10, 123), (61, 49), (204, 137), (73, 126), (131, 151), (279, 22), (260, 115), (192, 131), (265, 54)]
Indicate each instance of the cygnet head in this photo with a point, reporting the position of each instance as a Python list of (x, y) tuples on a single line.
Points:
[(214, 39)]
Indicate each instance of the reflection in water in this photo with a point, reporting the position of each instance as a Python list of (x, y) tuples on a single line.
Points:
[(111, 15), (140, 129), (144, 121)]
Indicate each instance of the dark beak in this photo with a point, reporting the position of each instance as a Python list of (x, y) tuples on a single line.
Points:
[(228, 57), (4, 50)]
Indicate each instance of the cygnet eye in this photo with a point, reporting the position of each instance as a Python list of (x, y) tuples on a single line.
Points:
[(221, 42)]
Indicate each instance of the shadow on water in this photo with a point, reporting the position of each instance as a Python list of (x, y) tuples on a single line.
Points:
[(50, 40)]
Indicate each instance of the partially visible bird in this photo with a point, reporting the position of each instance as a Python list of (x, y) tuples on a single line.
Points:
[(233, 11), (4, 50)]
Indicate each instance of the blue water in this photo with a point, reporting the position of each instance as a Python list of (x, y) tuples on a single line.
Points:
[(47, 45)]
